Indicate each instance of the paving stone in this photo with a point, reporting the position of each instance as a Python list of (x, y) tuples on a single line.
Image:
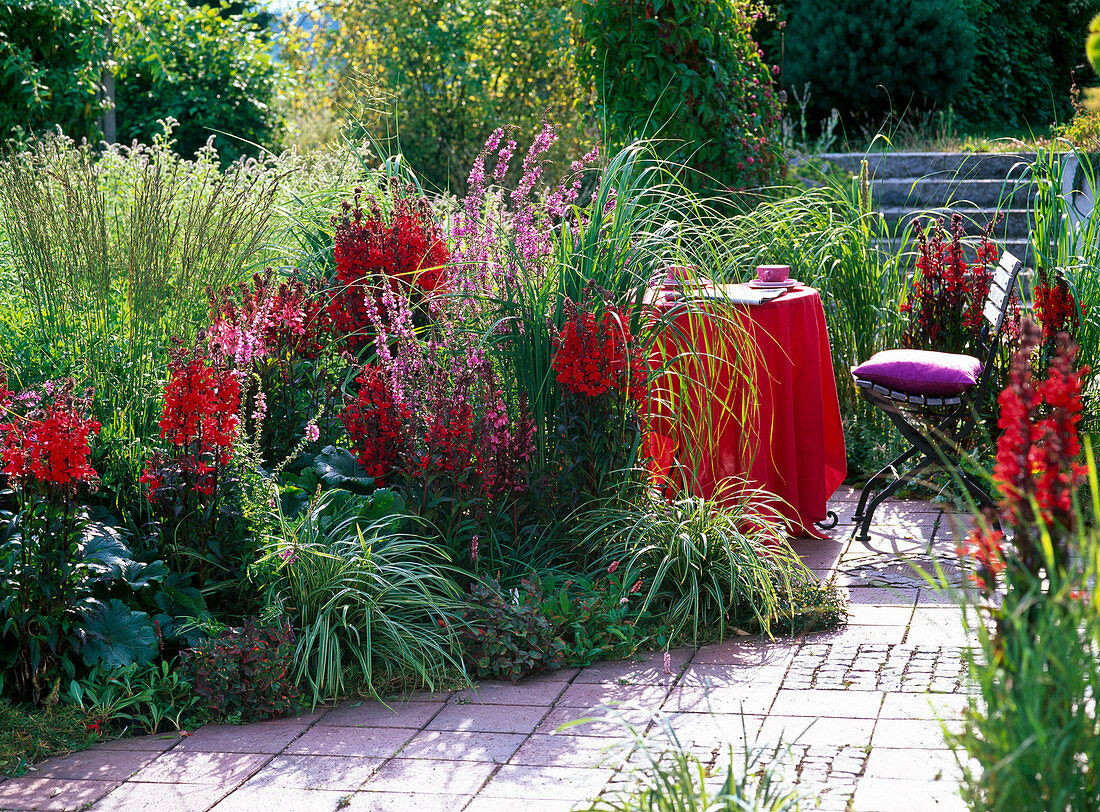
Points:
[(489, 718), (453, 746), (196, 767), (711, 731), (718, 675), (134, 796), (303, 718), (613, 725), (880, 596), (593, 695), (567, 751), (870, 614), (250, 799), (919, 734), (240, 739), (749, 652), (528, 692), (888, 795), (648, 669), (375, 714), (482, 804), (158, 743), (753, 699), (404, 801), (834, 703), (30, 792), (100, 765), (823, 731), (929, 765), (315, 772), (444, 777), (552, 783), (377, 742)]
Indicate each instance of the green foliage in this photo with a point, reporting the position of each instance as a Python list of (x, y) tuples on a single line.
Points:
[(207, 71), (593, 618), (244, 674), (27, 736), (867, 58), (1027, 53), (665, 776), (431, 79), (112, 257), (506, 636), (688, 71), (52, 53), (338, 468), (369, 600), (705, 568), (116, 636), (153, 697)]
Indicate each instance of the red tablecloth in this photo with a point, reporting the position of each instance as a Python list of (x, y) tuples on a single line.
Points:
[(782, 431)]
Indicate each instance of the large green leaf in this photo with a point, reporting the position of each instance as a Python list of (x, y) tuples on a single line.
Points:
[(103, 549), (339, 469), (116, 636)]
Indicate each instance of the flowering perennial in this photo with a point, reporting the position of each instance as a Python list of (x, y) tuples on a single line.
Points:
[(948, 293), (1054, 304), (1037, 468), (247, 323), (596, 354), (45, 435), (377, 427), (374, 249), (199, 419)]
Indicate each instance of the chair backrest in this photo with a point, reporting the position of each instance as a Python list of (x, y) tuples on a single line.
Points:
[(994, 310)]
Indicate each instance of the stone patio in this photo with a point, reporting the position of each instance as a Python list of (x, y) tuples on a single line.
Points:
[(860, 708)]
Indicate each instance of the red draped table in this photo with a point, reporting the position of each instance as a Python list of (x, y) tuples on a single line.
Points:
[(778, 428)]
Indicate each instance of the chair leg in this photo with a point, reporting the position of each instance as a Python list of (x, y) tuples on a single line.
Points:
[(864, 534), (891, 468)]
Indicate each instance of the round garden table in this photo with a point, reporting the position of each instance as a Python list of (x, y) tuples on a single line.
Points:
[(758, 402)]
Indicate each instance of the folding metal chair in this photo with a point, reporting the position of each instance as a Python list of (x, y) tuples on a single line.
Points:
[(935, 426)]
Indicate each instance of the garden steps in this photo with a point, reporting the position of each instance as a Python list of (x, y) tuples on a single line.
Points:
[(977, 185)]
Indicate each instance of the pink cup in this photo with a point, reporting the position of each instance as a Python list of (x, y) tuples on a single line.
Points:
[(773, 273)]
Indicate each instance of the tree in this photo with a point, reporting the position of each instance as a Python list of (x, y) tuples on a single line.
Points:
[(52, 53), (211, 73), (685, 70), (433, 78)]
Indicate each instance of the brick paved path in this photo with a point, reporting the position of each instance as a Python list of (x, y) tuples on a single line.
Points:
[(860, 706)]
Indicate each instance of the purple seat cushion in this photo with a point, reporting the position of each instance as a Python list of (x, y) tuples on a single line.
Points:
[(921, 372)]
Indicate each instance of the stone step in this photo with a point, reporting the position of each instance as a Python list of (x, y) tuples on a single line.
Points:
[(988, 165), (1015, 224), (921, 193)]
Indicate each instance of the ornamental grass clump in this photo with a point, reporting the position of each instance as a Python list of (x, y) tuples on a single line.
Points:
[(1032, 726)]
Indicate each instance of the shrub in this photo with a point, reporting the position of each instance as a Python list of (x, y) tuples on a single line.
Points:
[(507, 637), (1026, 55), (244, 674), (689, 71), (867, 58), (52, 53), (208, 72)]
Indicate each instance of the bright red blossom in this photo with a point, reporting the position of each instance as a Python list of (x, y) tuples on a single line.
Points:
[(404, 245), (376, 426), (595, 354), (46, 435)]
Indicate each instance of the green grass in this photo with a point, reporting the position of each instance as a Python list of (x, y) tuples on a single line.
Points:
[(28, 736)]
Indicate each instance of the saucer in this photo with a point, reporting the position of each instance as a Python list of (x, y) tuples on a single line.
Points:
[(789, 283)]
